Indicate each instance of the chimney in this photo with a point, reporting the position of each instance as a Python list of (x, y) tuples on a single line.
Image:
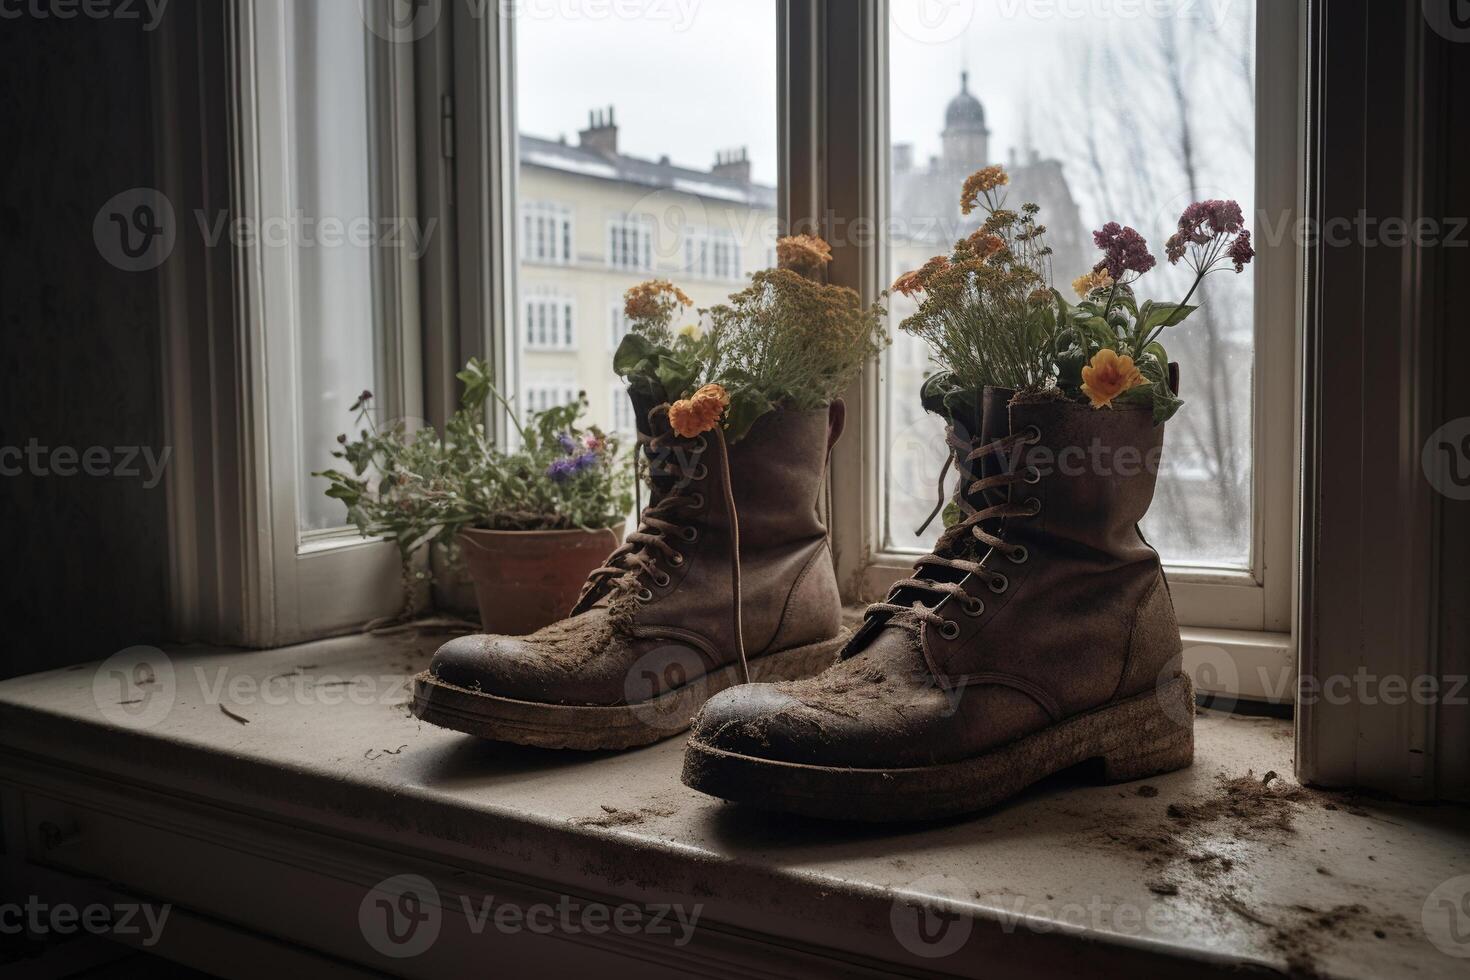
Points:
[(601, 133), (734, 164), (903, 157)]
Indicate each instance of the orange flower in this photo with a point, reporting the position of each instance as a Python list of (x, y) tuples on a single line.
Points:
[(652, 299), (1108, 376), (984, 244), (694, 416), (910, 283), (802, 253), (981, 182)]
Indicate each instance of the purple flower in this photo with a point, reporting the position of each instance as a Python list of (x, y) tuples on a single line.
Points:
[(568, 444), (561, 470), (1240, 251), (1124, 250), (584, 462)]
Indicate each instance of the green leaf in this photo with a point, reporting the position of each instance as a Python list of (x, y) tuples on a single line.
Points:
[(1070, 363), (632, 351), (1160, 314), (746, 406)]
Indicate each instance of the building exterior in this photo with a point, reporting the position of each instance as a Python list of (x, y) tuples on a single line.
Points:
[(594, 222)]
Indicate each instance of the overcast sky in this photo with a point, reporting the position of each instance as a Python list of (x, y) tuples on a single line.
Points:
[(691, 77)]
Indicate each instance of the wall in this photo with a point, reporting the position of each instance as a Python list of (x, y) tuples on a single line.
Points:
[(81, 340)]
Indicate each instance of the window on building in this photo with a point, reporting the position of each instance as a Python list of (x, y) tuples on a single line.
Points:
[(621, 413), (630, 243), (546, 232), (549, 322), (618, 325), (539, 395)]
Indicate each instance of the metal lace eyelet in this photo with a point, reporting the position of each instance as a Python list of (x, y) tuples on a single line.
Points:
[(1035, 504), (950, 629), (999, 583), (643, 595), (690, 534), (1018, 555), (697, 501), (1033, 434), (972, 606), (661, 580), (1031, 474), (676, 559), (700, 472)]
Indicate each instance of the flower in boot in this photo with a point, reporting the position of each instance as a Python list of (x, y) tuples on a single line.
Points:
[(694, 416), (802, 253), (1093, 282), (981, 182), (1124, 250), (1108, 376), (691, 331)]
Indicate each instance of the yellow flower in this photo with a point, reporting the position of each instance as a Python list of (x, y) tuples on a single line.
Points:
[(802, 253), (690, 417), (1092, 282), (691, 330), (981, 182), (1108, 376)]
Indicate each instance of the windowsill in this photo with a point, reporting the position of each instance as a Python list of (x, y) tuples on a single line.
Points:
[(278, 826)]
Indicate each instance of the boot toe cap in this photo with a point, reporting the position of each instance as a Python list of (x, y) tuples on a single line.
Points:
[(483, 662), (757, 720)]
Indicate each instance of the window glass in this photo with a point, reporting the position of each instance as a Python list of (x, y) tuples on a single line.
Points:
[(647, 148), (331, 188), (1099, 112)]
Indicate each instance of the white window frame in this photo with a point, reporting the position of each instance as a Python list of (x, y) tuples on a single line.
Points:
[(563, 237), (618, 325), (541, 393), (264, 582)]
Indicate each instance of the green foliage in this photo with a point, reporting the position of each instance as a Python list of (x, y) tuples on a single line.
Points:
[(1114, 319), (417, 487)]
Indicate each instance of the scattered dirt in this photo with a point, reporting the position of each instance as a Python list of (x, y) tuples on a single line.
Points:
[(373, 755), (613, 817), (1182, 848), (231, 715)]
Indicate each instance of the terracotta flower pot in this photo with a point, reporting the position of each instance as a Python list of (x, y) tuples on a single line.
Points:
[(525, 580)]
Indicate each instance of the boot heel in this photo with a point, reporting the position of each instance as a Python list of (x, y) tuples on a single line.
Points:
[(1159, 755)]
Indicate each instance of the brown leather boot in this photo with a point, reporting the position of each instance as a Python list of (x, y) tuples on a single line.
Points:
[(730, 558), (1038, 635)]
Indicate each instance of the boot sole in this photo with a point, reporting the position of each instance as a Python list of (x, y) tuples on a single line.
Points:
[(590, 727), (1142, 736)]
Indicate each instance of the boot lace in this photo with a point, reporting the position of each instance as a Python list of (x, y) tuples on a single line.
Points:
[(666, 520), (977, 524)]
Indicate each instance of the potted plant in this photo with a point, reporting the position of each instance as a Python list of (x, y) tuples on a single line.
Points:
[(529, 523)]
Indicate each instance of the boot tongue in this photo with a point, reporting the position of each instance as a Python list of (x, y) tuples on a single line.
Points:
[(661, 473), (995, 424)]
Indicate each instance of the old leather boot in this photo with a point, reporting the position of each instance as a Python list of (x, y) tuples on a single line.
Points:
[(1038, 635), (730, 559)]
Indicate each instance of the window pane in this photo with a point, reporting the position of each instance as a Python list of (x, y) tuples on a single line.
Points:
[(336, 322), (1098, 116), (646, 139)]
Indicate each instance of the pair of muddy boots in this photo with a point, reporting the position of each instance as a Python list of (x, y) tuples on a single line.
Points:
[(1039, 634)]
